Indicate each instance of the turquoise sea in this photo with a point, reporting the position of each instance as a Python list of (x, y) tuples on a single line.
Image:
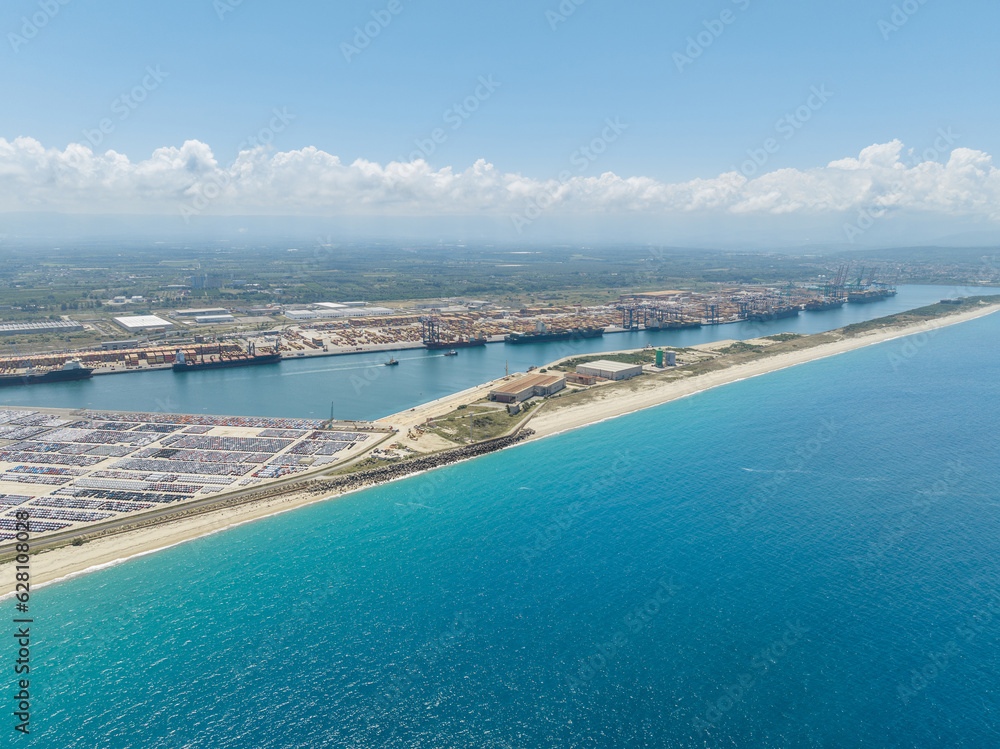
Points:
[(805, 559)]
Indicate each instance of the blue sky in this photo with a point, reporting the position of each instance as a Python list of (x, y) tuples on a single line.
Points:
[(557, 86)]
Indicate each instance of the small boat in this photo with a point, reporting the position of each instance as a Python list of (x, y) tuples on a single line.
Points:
[(391, 363), (453, 352)]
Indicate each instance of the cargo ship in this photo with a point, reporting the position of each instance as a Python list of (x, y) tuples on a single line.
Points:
[(871, 295), (439, 345), (68, 372), (181, 364), (778, 313), (671, 325), (547, 336), (818, 305)]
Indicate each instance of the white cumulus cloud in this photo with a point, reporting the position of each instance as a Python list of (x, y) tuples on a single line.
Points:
[(189, 180)]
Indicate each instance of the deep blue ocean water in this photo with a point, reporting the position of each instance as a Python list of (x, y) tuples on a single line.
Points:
[(806, 559)]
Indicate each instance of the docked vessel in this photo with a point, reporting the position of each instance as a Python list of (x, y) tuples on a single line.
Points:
[(181, 364), (777, 313), (545, 336), (671, 325), (439, 345), (818, 305), (869, 295), (68, 372)]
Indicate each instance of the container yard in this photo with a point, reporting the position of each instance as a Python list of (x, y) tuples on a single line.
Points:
[(459, 326), (70, 470)]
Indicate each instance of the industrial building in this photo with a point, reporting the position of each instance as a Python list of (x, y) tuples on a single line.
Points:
[(527, 386), (139, 323), (581, 379), (610, 370), (332, 312), (45, 326), (656, 296), (330, 309), (201, 312), (120, 345), (340, 305), (219, 318), (358, 312)]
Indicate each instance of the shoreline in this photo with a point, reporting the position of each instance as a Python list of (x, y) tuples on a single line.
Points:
[(549, 423), (552, 419)]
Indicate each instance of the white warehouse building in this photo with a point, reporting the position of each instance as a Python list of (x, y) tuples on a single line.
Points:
[(358, 312), (610, 370), (138, 323), (330, 309), (204, 312)]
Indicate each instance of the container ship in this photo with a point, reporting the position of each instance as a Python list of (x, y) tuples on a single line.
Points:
[(181, 364), (871, 295), (68, 372), (438, 345), (778, 313), (671, 325), (819, 305), (545, 336)]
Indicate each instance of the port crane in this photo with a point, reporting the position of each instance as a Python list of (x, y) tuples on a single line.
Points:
[(858, 285), (870, 281), (836, 291), (712, 312), (632, 316), (431, 328)]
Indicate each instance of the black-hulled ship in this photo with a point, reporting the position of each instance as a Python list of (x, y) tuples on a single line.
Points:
[(438, 345), (869, 295), (819, 305), (776, 313), (543, 335), (68, 372), (251, 358), (671, 325)]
